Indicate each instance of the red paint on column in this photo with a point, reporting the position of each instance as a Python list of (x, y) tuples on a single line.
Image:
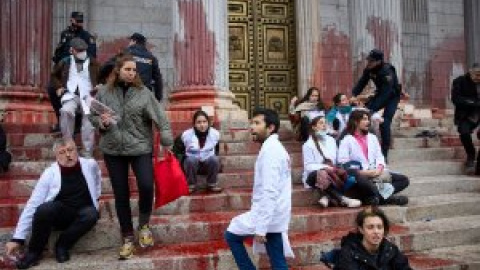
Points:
[(385, 34), (194, 52), (440, 67), (332, 64)]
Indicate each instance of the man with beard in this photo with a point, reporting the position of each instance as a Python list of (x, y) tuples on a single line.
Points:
[(270, 212), (375, 184), (64, 198), (466, 98), (201, 143), (74, 78), (75, 30), (387, 93)]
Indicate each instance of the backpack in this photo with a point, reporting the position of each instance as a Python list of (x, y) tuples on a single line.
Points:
[(330, 258)]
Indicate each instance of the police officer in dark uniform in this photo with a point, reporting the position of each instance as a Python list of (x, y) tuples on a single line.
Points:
[(387, 94), (466, 98), (63, 50), (147, 64)]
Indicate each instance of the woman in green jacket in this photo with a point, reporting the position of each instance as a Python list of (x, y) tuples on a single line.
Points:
[(127, 139)]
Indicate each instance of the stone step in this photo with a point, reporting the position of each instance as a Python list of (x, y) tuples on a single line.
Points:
[(468, 255), (416, 239), (428, 208), (438, 153), (415, 143), (247, 162), (409, 132), (446, 184), (428, 168)]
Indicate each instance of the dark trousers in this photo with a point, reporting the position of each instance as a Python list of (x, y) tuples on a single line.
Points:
[(142, 166), (366, 189), (385, 127), (210, 167), (466, 128), (55, 215), (54, 100), (274, 247), (57, 105)]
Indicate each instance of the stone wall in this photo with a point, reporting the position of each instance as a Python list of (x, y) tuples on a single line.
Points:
[(113, 21)]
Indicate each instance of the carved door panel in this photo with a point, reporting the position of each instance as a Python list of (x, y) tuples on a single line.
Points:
[(262, 53)]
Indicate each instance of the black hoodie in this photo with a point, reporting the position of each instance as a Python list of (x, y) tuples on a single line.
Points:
[(353, 256)]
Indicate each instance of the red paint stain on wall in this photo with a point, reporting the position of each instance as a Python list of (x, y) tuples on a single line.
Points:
[(440, 66), (108, 49), (194, 52), (332, 64), (385, 34)]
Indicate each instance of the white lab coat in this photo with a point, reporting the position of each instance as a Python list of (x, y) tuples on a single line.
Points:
[(313, 160), (80, 80), (271, 207), (48, 187), (350, 150), (192, 145)]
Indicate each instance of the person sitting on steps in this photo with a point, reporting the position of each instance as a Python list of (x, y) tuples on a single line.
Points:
[(368, 248), (374, 183), (65, 198), (319, 171), (301, 112), (200, 143)]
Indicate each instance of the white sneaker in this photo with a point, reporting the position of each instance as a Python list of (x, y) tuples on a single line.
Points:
[(351, 203), (323, 201)]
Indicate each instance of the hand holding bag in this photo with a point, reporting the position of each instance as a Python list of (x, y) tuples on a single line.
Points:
[(170, 181)]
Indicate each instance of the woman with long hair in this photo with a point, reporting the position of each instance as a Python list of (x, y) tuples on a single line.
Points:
[(319, 166), (304, 110), (127, 140), (368, 248)]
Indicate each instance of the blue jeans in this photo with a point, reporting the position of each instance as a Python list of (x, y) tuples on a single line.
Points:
[(274, 246)]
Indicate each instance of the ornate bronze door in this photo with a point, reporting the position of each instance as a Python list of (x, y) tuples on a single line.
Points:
[(262, 53)]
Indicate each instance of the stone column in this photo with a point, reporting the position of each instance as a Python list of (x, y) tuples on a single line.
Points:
[(376, 24), (472, 30), (309, 39), (25, 52), (200, 40)]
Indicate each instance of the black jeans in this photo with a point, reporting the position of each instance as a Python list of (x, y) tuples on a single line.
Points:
[(367, 190), (142, 166), (55, 215), (385, 127)]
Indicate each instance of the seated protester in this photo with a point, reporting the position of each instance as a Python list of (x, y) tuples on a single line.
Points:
[(362, 146), (368, 248), (319, 171), (65, 198), (337, 117), (303, 111), (200, 143), (376, 118)]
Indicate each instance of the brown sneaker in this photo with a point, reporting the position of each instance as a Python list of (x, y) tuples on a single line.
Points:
[(215, 188)]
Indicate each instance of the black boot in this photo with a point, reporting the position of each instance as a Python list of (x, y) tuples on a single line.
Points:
[(30, 259)]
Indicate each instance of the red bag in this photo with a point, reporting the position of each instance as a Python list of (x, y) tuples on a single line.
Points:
[(170, 181)]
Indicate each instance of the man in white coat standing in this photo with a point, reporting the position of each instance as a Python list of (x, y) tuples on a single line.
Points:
[(269, 216), (65, 198)]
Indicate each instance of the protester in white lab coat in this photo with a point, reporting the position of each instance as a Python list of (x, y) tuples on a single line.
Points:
[(319, 166), (361, 146), (302, 111), (270, 211)]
